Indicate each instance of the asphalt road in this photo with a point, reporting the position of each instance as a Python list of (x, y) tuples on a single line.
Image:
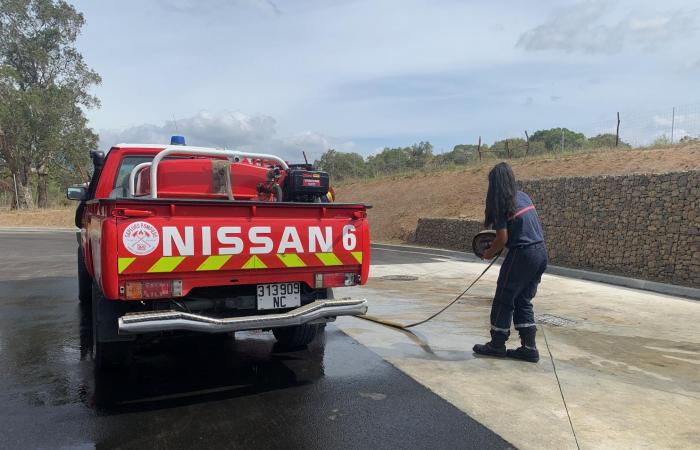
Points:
[(208, 392)]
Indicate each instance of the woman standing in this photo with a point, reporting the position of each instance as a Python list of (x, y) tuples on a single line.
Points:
[(511, 213)]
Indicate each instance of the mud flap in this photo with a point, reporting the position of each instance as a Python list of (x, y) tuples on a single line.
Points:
[(105, 317)]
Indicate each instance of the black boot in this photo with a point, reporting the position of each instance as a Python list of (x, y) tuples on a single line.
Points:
[(495, 347), (528, 350)]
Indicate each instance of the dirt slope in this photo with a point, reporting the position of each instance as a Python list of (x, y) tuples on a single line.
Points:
[(399, 201)]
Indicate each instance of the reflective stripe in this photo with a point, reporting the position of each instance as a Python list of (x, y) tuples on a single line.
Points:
[(291, 260), (529, 348), (210, 263), (525, 325), (123, 263), (254, 263), (329, 259), (214, 262), (357, 256), (166, 264), (502, 330), (521, 211)]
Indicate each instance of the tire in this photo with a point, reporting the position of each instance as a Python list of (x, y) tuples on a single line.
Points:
[(111, 354), (297, 336), (300, 335), (84, 280)]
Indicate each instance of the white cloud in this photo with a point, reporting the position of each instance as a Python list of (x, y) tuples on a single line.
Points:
[(226, 129), (591, 27)]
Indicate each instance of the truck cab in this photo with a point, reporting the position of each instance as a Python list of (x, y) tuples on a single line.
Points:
[(178, 239)]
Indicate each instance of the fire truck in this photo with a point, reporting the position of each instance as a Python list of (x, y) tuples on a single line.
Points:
[(178, 239)]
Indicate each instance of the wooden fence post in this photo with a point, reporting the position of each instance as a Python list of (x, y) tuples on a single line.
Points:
[(507, 150), (617, 131), (478, 148), (527, 143)]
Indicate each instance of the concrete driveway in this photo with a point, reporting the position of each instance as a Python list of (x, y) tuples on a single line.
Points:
[(628, 361)]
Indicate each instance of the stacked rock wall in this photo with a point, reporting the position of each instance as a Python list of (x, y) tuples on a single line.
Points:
[(642, 226)]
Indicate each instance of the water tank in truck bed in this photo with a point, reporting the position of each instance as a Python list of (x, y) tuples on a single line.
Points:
[(203, 178)]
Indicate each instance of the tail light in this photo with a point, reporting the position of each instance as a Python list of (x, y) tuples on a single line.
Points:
[(138, 290), (326, 280)]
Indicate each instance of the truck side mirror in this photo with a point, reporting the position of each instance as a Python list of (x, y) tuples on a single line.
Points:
[(76, 193)]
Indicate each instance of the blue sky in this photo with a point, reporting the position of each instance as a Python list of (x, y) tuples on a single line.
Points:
[(284, 76)]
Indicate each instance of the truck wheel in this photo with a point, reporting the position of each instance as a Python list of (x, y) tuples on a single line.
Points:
[(297, 336), (107, 354), (84, 280), (300, 335)]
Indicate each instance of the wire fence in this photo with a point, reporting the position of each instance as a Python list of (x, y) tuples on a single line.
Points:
[(644, 129), (656, 127), (667, 126)]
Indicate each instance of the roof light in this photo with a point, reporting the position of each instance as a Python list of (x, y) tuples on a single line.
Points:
[(177, 140)]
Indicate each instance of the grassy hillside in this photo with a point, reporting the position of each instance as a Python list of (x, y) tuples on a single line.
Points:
[(399, 201)]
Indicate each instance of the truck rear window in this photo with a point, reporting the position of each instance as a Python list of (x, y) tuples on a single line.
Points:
[(121, 182)]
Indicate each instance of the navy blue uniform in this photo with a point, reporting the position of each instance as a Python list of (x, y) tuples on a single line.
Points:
[(522, 269)]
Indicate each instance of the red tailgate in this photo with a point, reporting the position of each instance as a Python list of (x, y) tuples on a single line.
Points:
[(215, 244)]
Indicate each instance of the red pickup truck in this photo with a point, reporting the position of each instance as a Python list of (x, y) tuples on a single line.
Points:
[(187, 239)]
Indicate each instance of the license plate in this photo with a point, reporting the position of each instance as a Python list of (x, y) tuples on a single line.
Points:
[(278, 295)]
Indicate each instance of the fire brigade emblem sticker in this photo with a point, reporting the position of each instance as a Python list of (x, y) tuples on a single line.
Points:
[(141, 238)]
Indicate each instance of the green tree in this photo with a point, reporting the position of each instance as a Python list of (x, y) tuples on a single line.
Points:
[(341, 165), (553, 138), (44, 83), (389, 160), (419, 154), (392, 160)]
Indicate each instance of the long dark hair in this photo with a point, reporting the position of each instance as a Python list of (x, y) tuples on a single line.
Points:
[(500, 198)]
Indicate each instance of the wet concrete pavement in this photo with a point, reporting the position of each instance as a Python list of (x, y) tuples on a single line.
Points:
[(628, 361), (197, 392)]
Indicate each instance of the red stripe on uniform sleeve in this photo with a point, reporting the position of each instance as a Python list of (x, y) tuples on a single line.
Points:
[(521, 211)]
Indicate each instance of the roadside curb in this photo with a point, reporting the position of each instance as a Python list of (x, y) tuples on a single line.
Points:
[(634, 283), (37, 230)]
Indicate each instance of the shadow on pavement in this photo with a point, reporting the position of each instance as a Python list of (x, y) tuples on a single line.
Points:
[(184, 370)]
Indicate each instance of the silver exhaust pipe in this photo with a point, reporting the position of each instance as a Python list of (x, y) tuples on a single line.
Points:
[(154, 321)]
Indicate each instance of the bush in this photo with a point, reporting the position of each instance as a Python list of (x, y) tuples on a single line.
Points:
[(605, 140)]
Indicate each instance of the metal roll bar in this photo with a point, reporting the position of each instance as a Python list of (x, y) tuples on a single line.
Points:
[(233, 155), (132, 177)]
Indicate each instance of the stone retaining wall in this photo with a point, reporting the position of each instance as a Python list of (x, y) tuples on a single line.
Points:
[(642, 226)]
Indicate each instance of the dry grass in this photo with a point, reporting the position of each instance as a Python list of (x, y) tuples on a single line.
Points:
[(38, 218), (399, 201)]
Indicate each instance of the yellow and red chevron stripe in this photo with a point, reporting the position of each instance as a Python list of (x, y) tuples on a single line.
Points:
[(168, 264)]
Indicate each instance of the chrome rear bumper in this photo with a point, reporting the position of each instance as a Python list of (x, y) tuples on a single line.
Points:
[(148, 322)]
